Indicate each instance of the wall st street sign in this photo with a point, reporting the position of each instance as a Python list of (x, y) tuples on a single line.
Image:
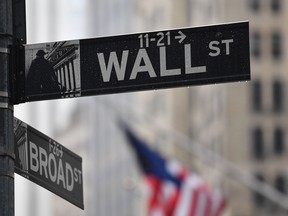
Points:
[(47, 163), (134, 62)]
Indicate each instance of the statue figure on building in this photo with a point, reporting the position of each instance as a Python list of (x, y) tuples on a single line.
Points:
[(41, 78)]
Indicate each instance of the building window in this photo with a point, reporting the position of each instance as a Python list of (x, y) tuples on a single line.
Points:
[(280, 183), (254, 5), (256, 44), (257, 143), (275, 5), (259, 199), (279, 142), (276, 45), (278, 96), (256, 96)]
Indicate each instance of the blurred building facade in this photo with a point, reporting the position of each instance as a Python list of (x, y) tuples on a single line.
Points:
[(249, 120), (244, 123), (266, 97)]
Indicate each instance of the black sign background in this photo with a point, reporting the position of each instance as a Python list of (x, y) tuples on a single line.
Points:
[(84, 77), (25, 136), (223, 68)]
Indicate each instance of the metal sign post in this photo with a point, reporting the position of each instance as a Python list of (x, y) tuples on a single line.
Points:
[(6, 114)]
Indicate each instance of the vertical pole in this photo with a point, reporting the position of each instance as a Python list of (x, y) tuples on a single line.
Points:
[(6, 114)]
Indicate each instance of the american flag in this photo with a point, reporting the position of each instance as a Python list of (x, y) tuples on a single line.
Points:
[(173, 191)]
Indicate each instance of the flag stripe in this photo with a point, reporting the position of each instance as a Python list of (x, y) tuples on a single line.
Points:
[(173, 190)]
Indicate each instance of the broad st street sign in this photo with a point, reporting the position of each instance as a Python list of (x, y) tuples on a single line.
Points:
[(47, 163), (143, 61)]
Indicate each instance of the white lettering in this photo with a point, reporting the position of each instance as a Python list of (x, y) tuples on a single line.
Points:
[(34, 165), (147, 67), (213, 45), (188, 68), (163, 65), (214, 48), (76, 175), (227, 43), (52, 168), (69, 175), (106, 70), (60, 176), (43, 161), (143, 64), (80, 175), (53, 176)]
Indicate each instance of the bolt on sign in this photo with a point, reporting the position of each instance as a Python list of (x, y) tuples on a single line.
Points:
[(47, 163), (134, 62)]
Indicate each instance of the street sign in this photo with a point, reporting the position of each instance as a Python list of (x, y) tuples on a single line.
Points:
[(47, 163), (142, 61)]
